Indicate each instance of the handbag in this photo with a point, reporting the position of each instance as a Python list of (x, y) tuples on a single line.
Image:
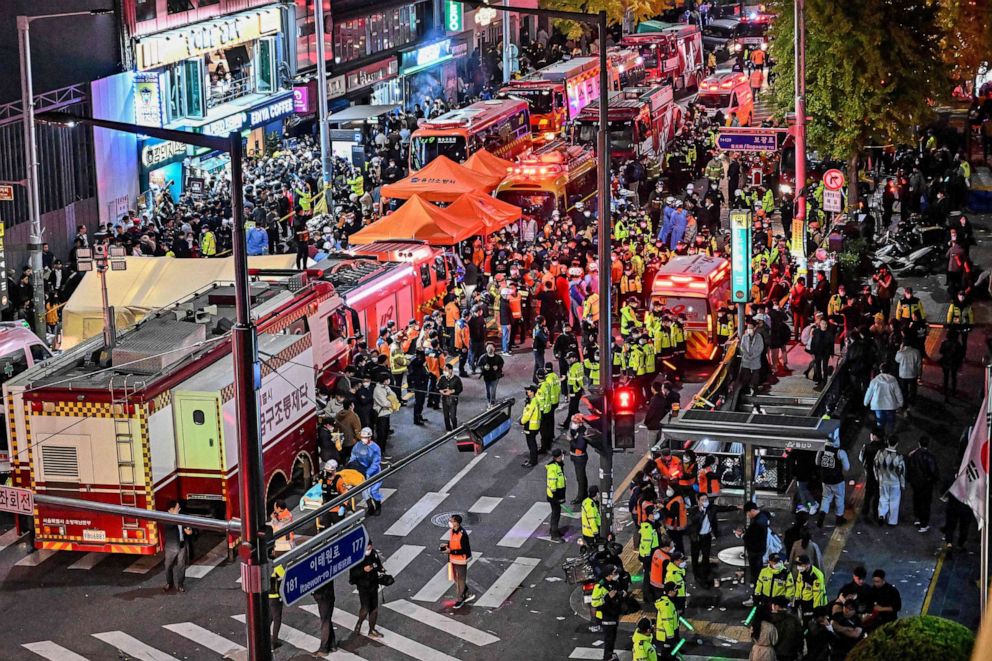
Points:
[(385, 580)]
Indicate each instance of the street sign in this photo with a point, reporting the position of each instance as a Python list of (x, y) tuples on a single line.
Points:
[(832, 201), (323, 565), (748, 139), (454, 16), (16, 500), (833, 179), (740, 252), (6, 193)]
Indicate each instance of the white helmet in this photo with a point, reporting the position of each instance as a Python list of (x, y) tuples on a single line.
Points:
[(331, 465), (580, 205), (669, 200), (366, 432), (689, 188)]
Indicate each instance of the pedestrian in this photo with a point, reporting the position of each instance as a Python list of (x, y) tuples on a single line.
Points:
[(957, 518), (805, 545), (922, 473), (886, 602), (530, 420), (366, 458), (578, 450), (869, 451), (951, 358), (281, 517), (491, 366), (789, 628), (450, 387), (752, 348), (324, 596), (417, 380), (477, 338), (764, 637), (540, 344), (846, 626), (890, 470), (755, 537), (178, 542), (575, 381), (833, 464), (591, 519), (384, 401), (459, 552), (365, 577), (910, 363), (555, 491), (822, 348), (884, 398)]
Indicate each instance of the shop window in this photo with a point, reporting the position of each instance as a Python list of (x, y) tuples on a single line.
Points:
[(179, 6), (265, 71), (144, 10)]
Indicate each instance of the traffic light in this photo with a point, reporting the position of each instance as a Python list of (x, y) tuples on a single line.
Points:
[(624, 406)]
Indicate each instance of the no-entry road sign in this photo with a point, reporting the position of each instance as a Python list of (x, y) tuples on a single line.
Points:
[(833, 179)]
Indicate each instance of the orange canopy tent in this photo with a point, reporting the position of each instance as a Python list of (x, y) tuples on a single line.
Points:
[(421, 220), (488, 163), (441, 180), (492, 213)]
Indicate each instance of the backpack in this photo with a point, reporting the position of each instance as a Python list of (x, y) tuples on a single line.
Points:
[(773, 544)]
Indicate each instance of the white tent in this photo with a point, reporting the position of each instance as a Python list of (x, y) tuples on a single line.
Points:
[(149, 283)]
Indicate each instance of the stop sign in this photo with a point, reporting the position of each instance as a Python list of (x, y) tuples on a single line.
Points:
[(833, 179)]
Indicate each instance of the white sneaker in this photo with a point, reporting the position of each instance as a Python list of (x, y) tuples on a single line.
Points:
[(748, 602), (923, 529)]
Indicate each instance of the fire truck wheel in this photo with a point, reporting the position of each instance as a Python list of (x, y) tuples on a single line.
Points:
[(277, 485), (303, 472)]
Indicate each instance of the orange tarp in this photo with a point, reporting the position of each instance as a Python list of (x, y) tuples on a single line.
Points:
[(441, 180), (421, 220), (492, 213), (488, 163)]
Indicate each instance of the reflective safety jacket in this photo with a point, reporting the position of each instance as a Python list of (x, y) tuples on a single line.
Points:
[(812, 590), (628, 319), (675, 574), (907, 306), (592, 371), (648, 536), (575, 378), (667, 626), (591, 520), (531, 417), (958, 315), (775, 583), (635, 361), (649, 354), (556, 481), (643, 647), (554, 389)]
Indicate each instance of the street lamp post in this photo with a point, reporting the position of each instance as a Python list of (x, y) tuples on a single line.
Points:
[(604, 230), (326, 164), (253, 553), (800, 90), (31, 160)]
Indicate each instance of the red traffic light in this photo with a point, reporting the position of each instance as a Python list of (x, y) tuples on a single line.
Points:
[(624, 400)]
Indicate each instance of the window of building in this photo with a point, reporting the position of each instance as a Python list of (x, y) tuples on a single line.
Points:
[(179, 6), (144, 10), (380, 31)]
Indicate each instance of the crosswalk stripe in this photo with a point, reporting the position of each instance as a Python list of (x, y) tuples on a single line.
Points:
[(144, 564), (414, 515), (586, 653), (89, 561), (207, 563), (36, 558), (399, 643), (442, 623), (386, 492), (304, 641), (205, 638), (439, 584), (46, 649), (462, 473), (507, 582), (485, 505), (133, 647), (8, 538), (525, 527)]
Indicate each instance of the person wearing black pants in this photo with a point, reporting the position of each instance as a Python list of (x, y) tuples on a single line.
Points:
[(324, 596), (275, 603), (365, 576), (755, 537), (418, 379), (922, 474), (578, 450), (703, 528), (556, 491), (450, 387)]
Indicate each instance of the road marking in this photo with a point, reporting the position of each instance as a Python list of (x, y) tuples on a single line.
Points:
[(144, 564), (133, 647), (89, 561), (414, 515), (526, 526), (586, 653), (35, 559), (386, 492), (206, 638), (46, 649), (304, 641), (933, 584), (507, 582), (442, 623), (9, 538), (462, 473), (485, 505), (439, 584), (206, 564), (399, 560), (399, 643)]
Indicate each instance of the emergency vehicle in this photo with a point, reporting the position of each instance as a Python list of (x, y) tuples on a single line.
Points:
[(501, 126), (556, 94), (674, 54), (626, 67), (642, 122), (556, 176), (428, 264), (722, 34), (753, 31), (20, 349), (727, 93), (697, 286)]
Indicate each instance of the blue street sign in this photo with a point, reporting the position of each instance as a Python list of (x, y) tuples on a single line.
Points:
[(748, 140), (740, 256), (323, 565)]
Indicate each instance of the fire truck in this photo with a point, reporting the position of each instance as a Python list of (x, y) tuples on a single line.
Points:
[(556, 176), (626, 67), (696, 286), (674, 55), (426, 262), (153, 420), (642, 122), (556, 94)]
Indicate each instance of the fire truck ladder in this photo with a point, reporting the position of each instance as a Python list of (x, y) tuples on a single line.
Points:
[(125, 444)]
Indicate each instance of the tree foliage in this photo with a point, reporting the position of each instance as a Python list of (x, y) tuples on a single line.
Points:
[(918, 637), (967, 35), (872, 69), (641, 10)]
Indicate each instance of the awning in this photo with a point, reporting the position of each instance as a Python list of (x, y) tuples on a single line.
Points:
[(767, 430), (420, 220), (488, 163), (360, 113), (441, 180), (492, 213)]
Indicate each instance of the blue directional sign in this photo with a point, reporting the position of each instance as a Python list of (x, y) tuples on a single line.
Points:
[(323, 565), (740, 256), (748, 140)]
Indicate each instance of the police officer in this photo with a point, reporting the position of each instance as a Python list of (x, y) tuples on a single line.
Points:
[(666, 630), (961, 317), (810, 588), (575, 381), (675, 575), (643, 642), (591, 367), (275, 602), (607, 597), (530, 420), (909, 305), (591, 518), (774, 580), (647, 539), (556, 491)]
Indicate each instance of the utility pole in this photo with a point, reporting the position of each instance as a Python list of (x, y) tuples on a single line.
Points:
[(799, 222), (605, 330), (326, 159), (507, 59)]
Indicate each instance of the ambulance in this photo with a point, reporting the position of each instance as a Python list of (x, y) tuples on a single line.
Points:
[(727, 93), (557, 176), (696, 286), (429, 266)]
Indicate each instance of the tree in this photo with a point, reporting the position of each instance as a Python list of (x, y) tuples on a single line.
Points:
[(873, 69), (917, 637), (641, 10), (967, 32)]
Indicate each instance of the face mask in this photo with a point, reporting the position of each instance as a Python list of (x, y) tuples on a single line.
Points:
[(670, 492), (451, 525), (368, 551)]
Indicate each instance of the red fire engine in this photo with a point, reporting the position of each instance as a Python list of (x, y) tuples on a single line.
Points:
[(642, 121), (673, 54)]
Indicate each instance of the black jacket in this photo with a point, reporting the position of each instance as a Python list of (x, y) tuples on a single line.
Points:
[(491, 367), (417, 374), (695, 516), (756, 533), (477, 329), (564, 345), (454, 383), (364, 580)]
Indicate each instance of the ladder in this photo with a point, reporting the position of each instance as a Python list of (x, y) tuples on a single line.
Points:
[(125, 445)]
